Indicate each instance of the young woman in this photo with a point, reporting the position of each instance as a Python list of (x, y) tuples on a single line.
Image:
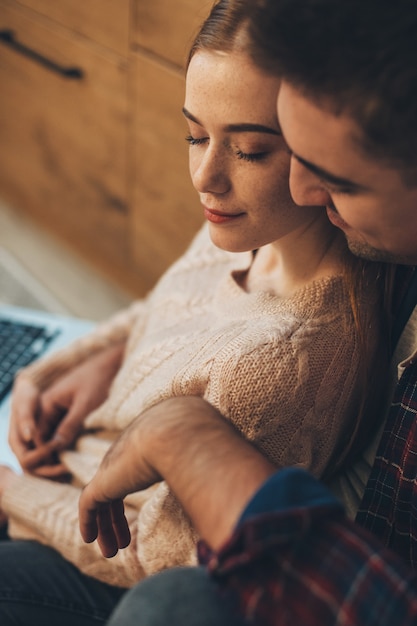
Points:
[(267, 316)]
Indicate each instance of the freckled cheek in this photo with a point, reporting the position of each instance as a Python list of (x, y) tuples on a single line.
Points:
[(192, 164), (195, 170), (269, 202), (280, 191)]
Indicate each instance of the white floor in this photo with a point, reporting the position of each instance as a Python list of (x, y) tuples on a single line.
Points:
[(38, 272)]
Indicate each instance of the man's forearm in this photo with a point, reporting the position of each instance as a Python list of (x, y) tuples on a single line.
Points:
[(211, 469)]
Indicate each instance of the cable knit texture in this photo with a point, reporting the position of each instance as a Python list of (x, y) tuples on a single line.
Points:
[(283, 370)]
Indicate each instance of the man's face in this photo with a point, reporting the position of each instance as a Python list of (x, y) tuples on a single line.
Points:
[(366, 199)]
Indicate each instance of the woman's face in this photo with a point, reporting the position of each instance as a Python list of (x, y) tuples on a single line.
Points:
[(239, 162)]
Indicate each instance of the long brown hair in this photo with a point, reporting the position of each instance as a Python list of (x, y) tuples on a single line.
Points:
[(226, 30)]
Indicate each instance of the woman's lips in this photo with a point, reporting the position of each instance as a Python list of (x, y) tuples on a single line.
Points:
[(218, 217)]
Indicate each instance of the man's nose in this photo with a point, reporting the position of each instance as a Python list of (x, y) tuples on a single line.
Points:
[(305, 187)]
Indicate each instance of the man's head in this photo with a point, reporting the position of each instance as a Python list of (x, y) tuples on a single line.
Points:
[(348, 110)]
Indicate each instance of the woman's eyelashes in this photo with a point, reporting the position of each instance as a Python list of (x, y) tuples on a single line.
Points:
[(195, 141), (245, 156), (251, 156)]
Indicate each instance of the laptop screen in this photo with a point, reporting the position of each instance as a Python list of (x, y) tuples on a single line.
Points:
[(25, 335)]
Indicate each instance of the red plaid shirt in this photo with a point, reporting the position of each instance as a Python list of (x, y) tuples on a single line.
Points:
[(389, 506), (296, 560)]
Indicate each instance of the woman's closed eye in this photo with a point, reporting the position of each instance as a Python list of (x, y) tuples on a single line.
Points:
[(251, 156), (245, 156), (195, 141)]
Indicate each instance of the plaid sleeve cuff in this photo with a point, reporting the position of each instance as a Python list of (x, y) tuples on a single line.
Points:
[(288, 489), (308, 565)]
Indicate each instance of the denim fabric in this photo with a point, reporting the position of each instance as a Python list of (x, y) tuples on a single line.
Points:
[(39, 587), (183, 596)]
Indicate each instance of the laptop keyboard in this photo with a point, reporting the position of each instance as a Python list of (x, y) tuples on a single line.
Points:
[(20, 343)]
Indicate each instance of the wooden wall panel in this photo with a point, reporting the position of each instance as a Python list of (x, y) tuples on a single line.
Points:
[(64, 142), (166, 28), (101, 161), (166, 211), (106, 22)]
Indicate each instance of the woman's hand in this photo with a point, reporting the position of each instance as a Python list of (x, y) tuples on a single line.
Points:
[(42, 423), (7, 478)]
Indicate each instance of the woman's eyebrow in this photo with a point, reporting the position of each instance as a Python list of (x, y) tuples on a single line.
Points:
[(238, 128), (190, 116), (252, 128)]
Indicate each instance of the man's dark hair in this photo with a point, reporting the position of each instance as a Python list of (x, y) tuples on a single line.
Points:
[(353, 56)]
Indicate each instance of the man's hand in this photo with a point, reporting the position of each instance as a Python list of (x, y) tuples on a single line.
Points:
[(123, 470), (211, 469), (42, 423)]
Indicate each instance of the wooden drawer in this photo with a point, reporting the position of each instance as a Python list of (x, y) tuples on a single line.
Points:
[(104, 21), (167, 28), (166, 209), (63, 154)]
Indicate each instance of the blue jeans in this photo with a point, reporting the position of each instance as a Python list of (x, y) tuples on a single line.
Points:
[(183, 596), (39, 587)]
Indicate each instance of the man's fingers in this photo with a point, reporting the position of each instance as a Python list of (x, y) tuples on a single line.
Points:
[(120, 525), (106, 523), (113, 529), (87, 514), (106, 538), (89, 527)]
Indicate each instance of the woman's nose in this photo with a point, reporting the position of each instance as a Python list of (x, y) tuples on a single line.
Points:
[(209, 171), (305, 187)]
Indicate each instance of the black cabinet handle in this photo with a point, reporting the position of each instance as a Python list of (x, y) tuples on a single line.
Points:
[(7, 38)]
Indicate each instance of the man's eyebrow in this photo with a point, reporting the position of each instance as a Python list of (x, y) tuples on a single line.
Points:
[(327, 176), (238, 128)]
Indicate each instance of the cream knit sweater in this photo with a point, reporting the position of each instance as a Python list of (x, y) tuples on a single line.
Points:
[(283, 370)]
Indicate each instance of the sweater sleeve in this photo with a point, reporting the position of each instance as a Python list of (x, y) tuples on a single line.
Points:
[(50, 516), (294, 542), (295, 398), (115, 330), (125, 326)]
